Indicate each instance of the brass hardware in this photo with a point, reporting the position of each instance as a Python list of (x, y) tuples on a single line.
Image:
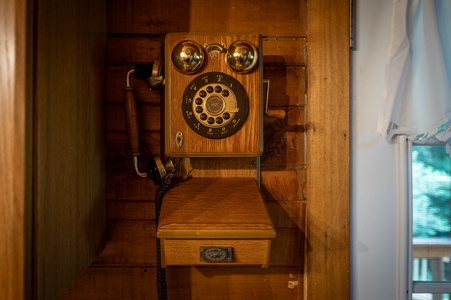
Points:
[(216, 254), (214, 49), (241, 57), (188, 57), (179, 139), (156, 79)]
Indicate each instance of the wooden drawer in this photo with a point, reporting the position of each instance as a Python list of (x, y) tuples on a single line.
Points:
[(204, 218), (188, 252)]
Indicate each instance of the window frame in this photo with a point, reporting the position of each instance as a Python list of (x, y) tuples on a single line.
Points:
[(404, 242)]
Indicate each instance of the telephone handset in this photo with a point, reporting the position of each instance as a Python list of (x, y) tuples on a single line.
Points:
[(151, 73)]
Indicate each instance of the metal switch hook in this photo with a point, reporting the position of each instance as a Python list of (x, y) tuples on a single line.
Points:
[(275, 113), (151, 73)]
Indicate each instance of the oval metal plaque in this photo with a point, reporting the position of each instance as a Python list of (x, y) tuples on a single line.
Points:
[(216, 254)]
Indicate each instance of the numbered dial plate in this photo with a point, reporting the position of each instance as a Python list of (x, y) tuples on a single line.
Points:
[(215, 105)]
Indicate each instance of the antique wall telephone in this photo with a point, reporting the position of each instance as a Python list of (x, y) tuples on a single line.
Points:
[(213, 108), (207, 92)]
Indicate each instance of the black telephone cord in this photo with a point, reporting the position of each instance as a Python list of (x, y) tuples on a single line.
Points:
[(161, 272)]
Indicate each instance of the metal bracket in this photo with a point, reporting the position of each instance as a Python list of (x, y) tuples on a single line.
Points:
[(214, 49), (276, 113)]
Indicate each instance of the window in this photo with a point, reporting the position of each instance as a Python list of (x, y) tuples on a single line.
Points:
[(417, 108), (431, 222)]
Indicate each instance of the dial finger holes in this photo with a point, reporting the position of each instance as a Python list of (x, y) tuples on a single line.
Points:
[(215, 105), (216, 108)]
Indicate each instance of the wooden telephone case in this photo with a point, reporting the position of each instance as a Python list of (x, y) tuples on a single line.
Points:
[(186, 134), (219, 221), (213, 110)]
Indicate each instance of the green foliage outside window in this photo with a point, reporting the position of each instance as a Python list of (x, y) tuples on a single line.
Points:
[(431, 191)]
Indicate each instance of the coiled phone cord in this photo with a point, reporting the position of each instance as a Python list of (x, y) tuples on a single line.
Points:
[(161, 272)]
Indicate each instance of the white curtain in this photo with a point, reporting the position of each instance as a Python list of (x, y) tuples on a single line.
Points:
[(418, 73)]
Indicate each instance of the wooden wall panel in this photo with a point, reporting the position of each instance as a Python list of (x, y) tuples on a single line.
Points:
[(288, 85), (131, 49), (285, 51), (15, 154), (130, 210), (327, 190), (283, 148), (244, 283), (130, 243), (186, 283), (281, 18), (116, 82), (113, 283), (136, 30), (283, 184), (148, 118), (69, 162), (144, 17), (123, 184)]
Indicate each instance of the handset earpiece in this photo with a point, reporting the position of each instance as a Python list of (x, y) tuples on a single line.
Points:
[(157, 170), (152, 73)]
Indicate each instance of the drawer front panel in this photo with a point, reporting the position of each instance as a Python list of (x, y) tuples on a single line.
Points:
[(188, 252)]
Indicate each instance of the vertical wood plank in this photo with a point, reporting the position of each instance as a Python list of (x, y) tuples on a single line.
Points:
[(15, 152), (69, 174), (328, 147)]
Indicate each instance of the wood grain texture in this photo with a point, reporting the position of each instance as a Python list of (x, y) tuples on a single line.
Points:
[(281, 18), (283, 184), (123, 184), (130, 210), (226, 212), (131, 50), (283, 148), (186, 283), (180, 252), (247, 141), (219, 167), (327, 189), (69, 179), (15, 155), (285, 51), (117, 143), (288, 85), (131, 242), (215, 207), (131, 121)]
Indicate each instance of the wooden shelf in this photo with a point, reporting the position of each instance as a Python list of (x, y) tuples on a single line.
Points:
[(216, 212)]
